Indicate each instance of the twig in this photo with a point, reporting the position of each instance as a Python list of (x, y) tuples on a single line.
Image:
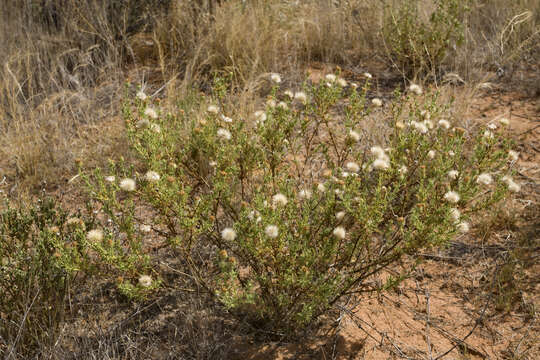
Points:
[(19, 333), (427, 326)]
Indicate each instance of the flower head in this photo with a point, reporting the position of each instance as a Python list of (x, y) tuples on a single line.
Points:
[(141, 95), (484, 179), (342, 82), (378, 152), (152, 176), (283, 105), (455, 214), (127, 184), (321, 187), (354, 135), (339, 232), (145, 280), (445, 124), (340, 215), (453, 174), (289, 94), (95, 235), (305, 194), (431, 154), (513, 155), (228, 234), (377, 102), (279, 199), (452, 197), (151, 113), (381, 164), (488, 134), (504, 121), (226, 119), (213, 109), (463, 227), (330, 78), (403, 170), (420, 126), (275, 78), (352, 167), (224, 134), (301, 96), (271, 103), (260, 116), (271, 231), (416, 89), (110, 179), (367, 75), (145, 228)]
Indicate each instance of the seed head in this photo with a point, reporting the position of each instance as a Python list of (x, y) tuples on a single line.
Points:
[(484, 179), (339, 232), (275, 78), (152, 176), (145, 281), (151, 113), (352, 167), (279, 199), (224, 134), (416, 89), (452, 197), (228, 234), (377, 102), (95, 235), (127, 184)]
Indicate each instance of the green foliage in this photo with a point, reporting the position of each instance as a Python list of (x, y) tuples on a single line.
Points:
[(417, 45), (41, 251), (283, 216)]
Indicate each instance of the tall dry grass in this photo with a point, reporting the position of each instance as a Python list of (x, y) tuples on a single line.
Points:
[(63, 62)]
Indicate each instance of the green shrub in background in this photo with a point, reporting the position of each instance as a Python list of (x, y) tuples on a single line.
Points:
[(418, 45), (284, 212), (41, 252)]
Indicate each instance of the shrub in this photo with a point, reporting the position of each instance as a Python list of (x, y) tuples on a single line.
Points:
[(41, 252), (417, 45), (282, 213)]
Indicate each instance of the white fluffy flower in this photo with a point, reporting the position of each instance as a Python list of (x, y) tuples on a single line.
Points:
[(378, 152), (381, 164), (127, 184), (279, 199), (152, 176), (492, 126), (110, 179), (340, 215), (431, 154), (142, 124), (514, 187), (488, 134), (275, 78), (415, 89), (451, 153), (145, 228), (305, 194), (283, 105), (342, 82), (445, 124), (513, 155), (455, 214), (155, 128), (151, 113), (339, 232), (145, 281), (224, 134), (354, 85), (504, 121), (352, 166), (321, 187), (260, 116), (354, 135), (95, 235), (453, 174), (484, 179), (228, 234), (271, 231), (463, 227), (367, 75), (226, 119), (377, 102), (301, 96), (403, 170), (141, 95), (289, 94), (420, 127), (451, 197), (330, 77), (213, 109)]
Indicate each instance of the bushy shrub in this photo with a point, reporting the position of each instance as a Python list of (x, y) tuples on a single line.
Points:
[(282, 213), (41, 251), (418, 39)]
